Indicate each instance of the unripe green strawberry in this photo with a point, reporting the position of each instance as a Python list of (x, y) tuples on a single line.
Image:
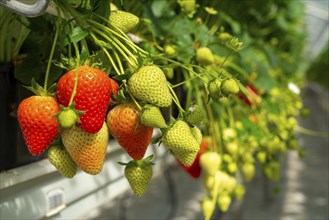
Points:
[(210, 162), (149, 84), (139, 174), (224, 201), (293, 144), (124, 21), (194, 115), (224, 36), (204, 56), (181, 142), (229, 134), (61, 159), (188, 6), (261, 157), (224, 100), (214, 87), (229, 184), (209, 182), (67, 118), (208, 208), (272, 170), (87, 150), (232, 167), (170, 49), (151, 116), (230, 86), (248, 171), (232, 148), (196, 132), (239, 191)]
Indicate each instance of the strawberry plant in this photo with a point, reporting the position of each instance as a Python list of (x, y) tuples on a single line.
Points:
[(193, 70)]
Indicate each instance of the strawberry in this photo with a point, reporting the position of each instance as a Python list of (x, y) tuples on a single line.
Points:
[(261, 157), (151, 116), (196, 132), (204, 56), (248, 171), (124, 21), (230, 86), (214, 88), (188, 6), (68, 116), (224, 201), (61, 159), (232, 148), (123, 124), (210, 162), (181, 142), (232, 167), (149, 84), (139, 174), (272, 170), (195, 170), (39, 127), (208, 208), (239, 191), (92, 95), (87, 150), (194, 115), (114, 89)]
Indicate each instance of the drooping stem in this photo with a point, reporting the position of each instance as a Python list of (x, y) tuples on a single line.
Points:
[(76, 74), (51, 56)]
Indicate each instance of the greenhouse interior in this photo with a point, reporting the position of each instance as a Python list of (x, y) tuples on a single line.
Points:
[(164, 109)]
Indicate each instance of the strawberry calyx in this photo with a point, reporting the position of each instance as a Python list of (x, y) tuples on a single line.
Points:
[(40, 91), (139, 163)]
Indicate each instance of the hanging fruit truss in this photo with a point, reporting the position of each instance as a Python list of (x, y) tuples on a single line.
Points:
[(220, 85)]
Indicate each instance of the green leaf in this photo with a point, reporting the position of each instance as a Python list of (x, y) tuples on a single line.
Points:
[(84, 55), (29, 68), (76, 35), (156, 139), (102, 8)]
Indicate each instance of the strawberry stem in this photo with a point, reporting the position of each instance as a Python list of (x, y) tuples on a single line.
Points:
[(228, 55), (51, 53), (176, 100), (311, 132), (76, 74), (135, 101)]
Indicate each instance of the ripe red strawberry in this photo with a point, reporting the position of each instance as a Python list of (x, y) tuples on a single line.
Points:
[(139, 174), (87, 150), (92, 95), (123, 123), (39, 127), (195, 170), (114, 89)]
